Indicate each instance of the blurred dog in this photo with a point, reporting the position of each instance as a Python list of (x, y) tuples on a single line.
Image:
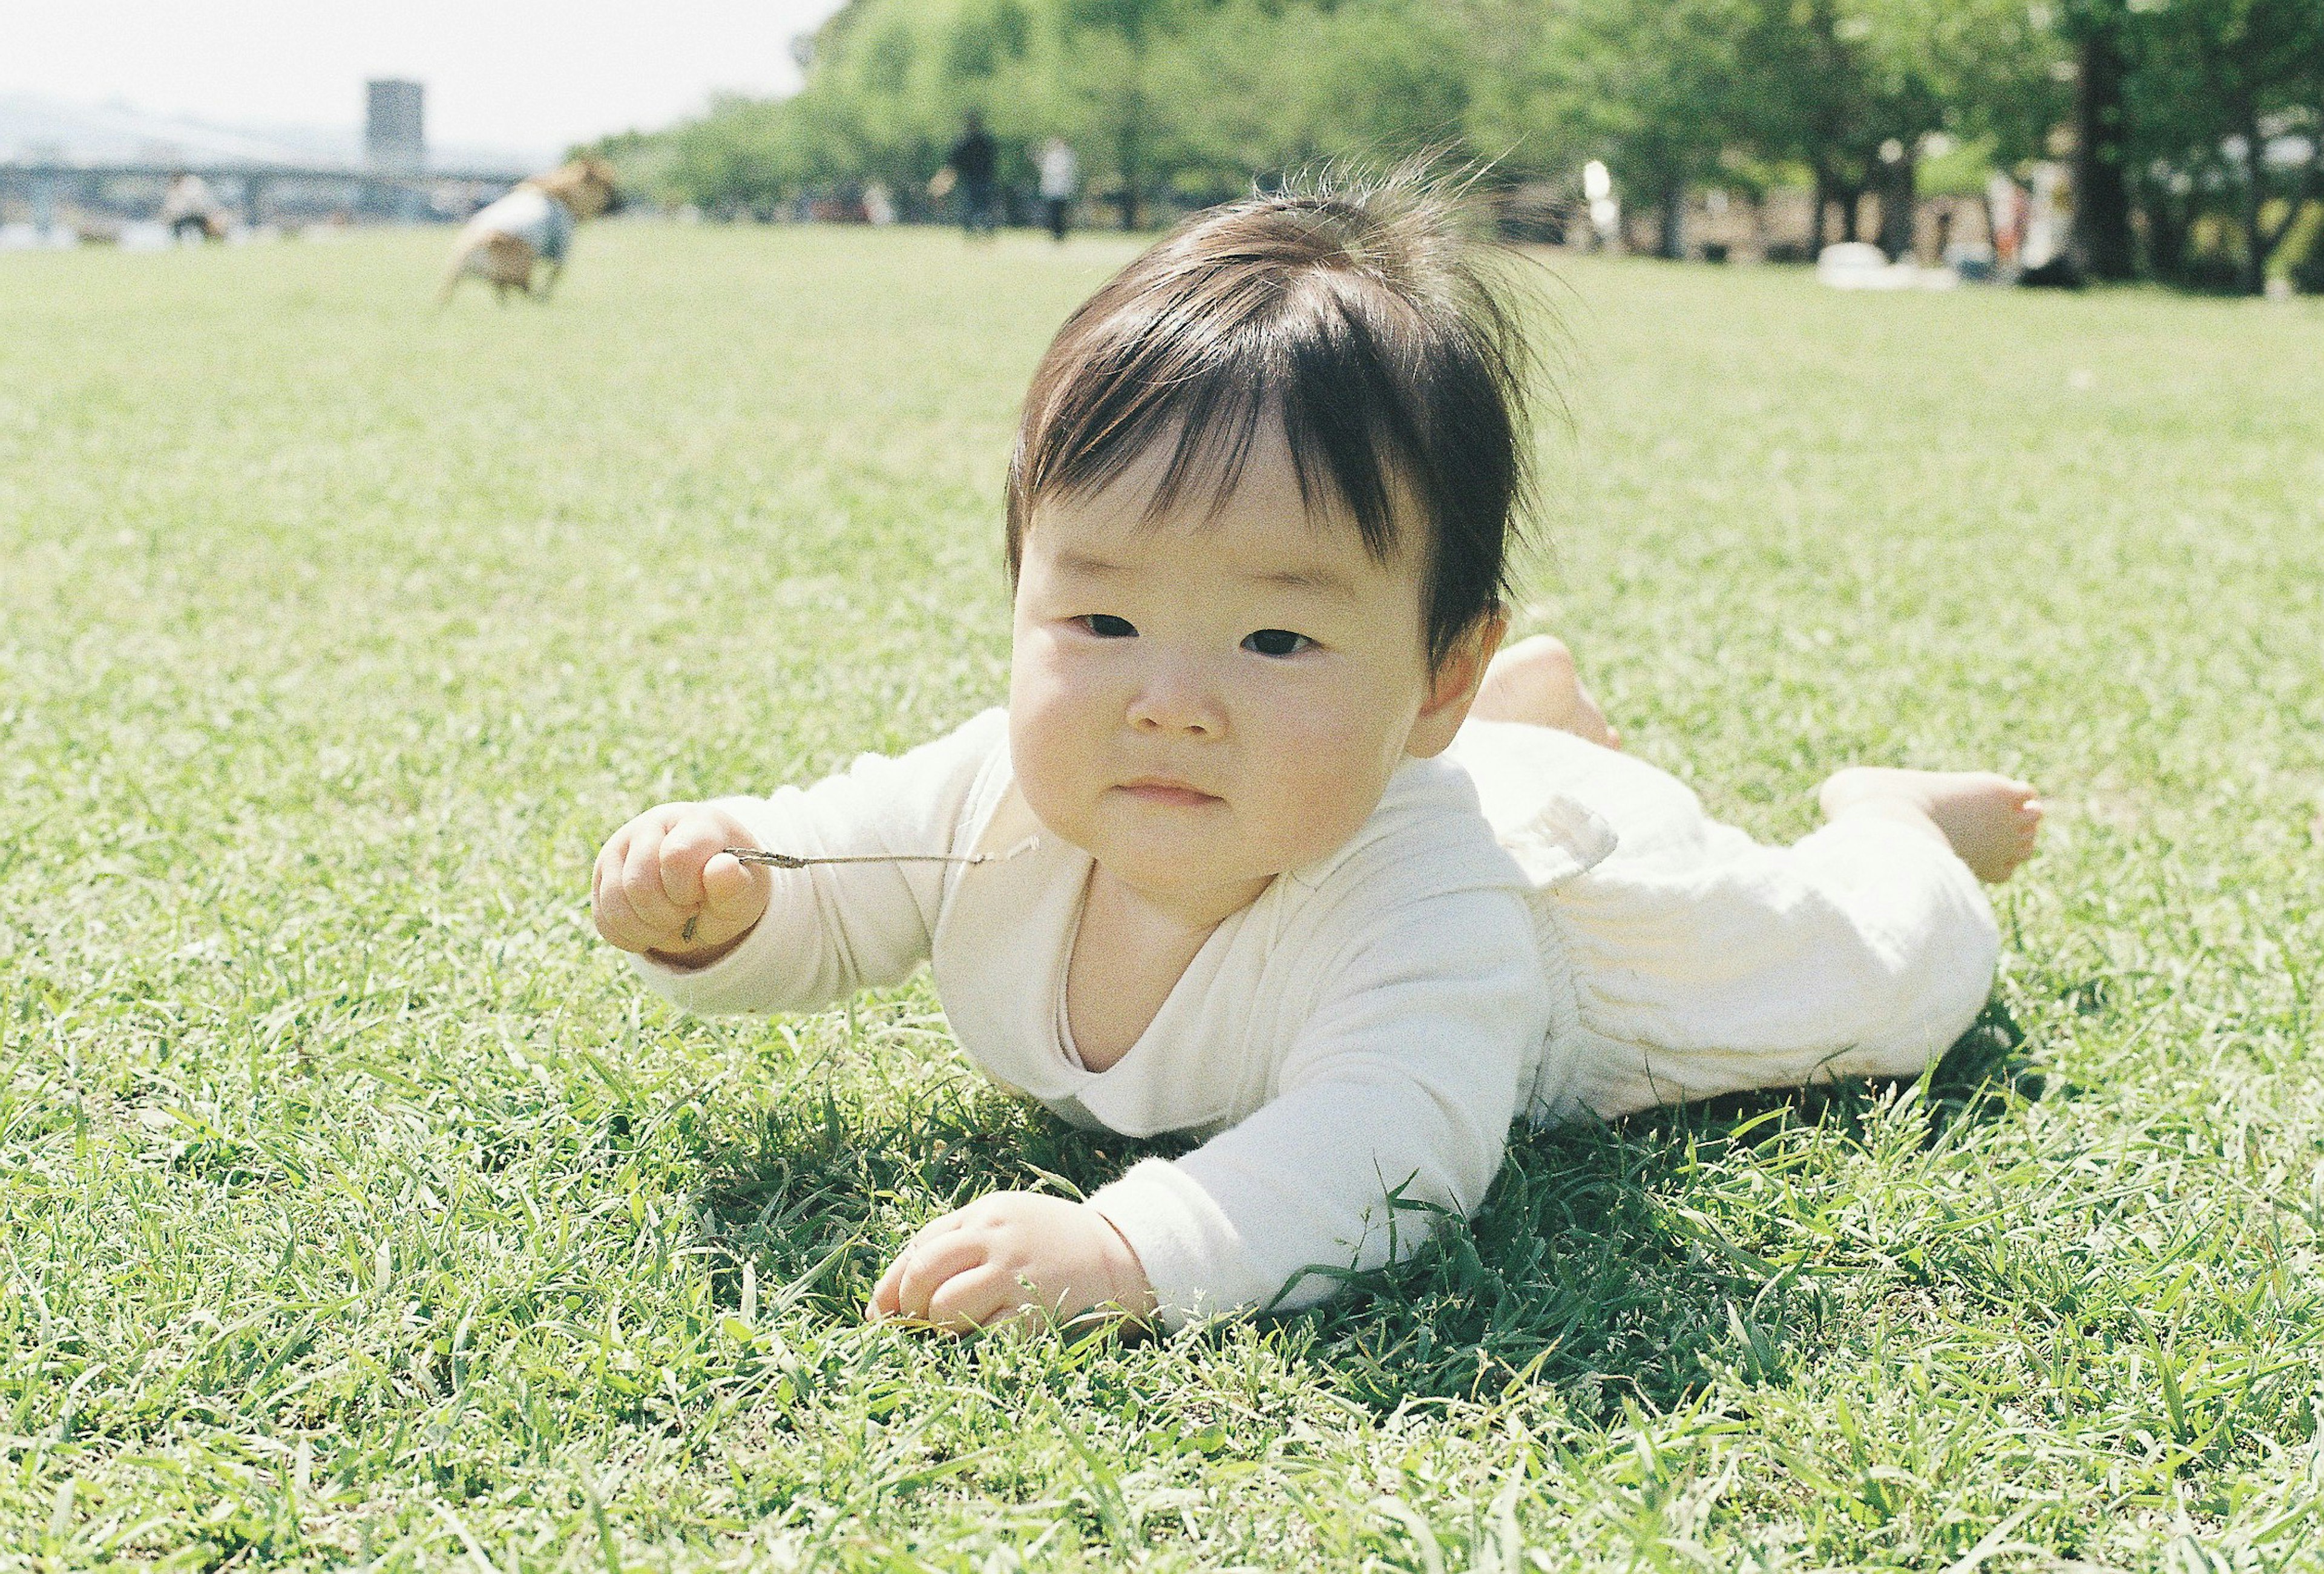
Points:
[(533, 224)]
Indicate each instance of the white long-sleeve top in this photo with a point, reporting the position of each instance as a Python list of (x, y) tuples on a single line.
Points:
[(1531, 924)]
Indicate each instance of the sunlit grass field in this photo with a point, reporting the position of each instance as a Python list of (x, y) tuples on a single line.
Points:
[(356, 1207)]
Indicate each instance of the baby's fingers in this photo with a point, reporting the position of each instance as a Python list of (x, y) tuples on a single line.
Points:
[(688, 850), (645, 886), (883, 1304), (733, 891), (619, 922), (605, 874), (928, 1268), (887, 1296), (977, 1299)]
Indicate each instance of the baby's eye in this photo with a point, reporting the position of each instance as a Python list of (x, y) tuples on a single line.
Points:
[(1276, 641), (1105, 626)]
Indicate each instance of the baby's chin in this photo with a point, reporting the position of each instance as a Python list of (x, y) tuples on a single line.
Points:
[(1184, 867), (1169, 868), (1173, 851)]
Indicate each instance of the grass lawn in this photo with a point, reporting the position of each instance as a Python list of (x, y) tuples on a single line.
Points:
[(357, 1206)]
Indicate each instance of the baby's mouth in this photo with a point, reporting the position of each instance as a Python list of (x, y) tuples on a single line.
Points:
[(1167, 791)]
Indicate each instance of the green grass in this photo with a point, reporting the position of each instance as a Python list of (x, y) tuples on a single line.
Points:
[(356, 1207)]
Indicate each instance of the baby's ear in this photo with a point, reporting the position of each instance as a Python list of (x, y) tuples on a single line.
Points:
[(1453, 686)]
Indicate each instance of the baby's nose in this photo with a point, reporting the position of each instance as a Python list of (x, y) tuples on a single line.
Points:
[(1174, 699)]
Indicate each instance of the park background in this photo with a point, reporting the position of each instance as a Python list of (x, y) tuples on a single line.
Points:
[(359, 1209), (2186, 137)]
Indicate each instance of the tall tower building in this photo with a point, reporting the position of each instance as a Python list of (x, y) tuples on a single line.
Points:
[(395, 135)]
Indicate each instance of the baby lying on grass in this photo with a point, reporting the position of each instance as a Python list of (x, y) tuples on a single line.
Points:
[(1275, 846)]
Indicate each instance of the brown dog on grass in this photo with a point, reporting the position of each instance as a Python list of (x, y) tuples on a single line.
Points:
[(532, 224)]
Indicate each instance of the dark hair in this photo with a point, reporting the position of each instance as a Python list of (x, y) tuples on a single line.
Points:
[(1355, 313)]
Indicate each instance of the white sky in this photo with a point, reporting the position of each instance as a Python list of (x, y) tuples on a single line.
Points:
[(518, 73)]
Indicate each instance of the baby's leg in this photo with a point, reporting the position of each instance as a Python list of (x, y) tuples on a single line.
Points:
[(1534, 681), (1988, 820), (1855, 951)]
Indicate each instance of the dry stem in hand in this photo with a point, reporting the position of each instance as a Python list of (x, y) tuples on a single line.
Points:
[(760, 855)]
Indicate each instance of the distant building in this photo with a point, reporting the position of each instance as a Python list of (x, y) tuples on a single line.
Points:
[(395, 135)]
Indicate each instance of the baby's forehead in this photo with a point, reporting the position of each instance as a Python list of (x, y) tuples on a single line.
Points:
[(1247, 487), (1258, 541)]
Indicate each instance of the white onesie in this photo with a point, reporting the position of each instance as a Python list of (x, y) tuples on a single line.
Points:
[(1354, 1045)]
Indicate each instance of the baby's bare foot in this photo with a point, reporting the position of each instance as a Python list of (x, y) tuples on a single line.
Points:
[(1990, 821), (1534, 680)]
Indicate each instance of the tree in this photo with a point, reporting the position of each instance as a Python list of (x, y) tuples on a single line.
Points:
[(1655, 85), (2102, 245), (2213, 84), (1851, 89)]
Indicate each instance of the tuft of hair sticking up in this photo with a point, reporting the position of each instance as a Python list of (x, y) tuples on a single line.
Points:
[(1355, 312)]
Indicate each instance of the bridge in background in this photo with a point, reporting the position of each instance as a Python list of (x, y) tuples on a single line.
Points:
[(50, 191)]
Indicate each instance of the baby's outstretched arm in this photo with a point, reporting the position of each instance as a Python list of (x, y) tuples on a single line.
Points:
[(1012, 1256)]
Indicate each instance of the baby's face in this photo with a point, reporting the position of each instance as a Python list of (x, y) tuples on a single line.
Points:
[(1202, 705)]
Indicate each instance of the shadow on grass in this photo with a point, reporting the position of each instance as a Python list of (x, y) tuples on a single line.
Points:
[(1587, 1270), (826, 1184), (1983, 1072)]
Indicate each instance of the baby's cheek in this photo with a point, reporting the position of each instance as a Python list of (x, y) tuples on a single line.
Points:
[(1051, 775), (1047, 743), (1324, 780)]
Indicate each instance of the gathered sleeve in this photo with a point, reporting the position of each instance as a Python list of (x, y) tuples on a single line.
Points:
[(1864, 950), (830, 930), (1391, 1109)]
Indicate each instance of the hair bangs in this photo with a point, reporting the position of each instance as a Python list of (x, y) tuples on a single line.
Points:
[(1209, 378)]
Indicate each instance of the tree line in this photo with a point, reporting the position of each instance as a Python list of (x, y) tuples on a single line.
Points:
[(2194, 128)]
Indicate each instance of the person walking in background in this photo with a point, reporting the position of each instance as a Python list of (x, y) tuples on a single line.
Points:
[(969, 167), (191, 209), (1061, 182)]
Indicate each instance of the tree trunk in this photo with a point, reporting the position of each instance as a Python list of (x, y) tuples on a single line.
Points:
[(1671, 243), (2252, 279), (1130, 149), (2101, 243), (2166, 234), (1816, 231), (1899, 205), (1851, 214)]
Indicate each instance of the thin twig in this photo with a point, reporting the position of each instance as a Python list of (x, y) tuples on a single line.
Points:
[(766, 859), (794, 861)]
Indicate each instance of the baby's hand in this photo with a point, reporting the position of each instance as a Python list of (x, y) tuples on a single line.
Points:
[(665, 871), (1012, 1255)]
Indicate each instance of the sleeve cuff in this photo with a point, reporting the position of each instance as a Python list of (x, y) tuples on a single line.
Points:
[(1192, 1253), (730, 984)]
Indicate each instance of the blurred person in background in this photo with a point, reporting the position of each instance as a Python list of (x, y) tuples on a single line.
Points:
[(969, 168), (191, 208), (1061, 182)]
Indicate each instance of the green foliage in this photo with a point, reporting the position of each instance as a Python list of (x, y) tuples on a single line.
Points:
[(357, 1208), (1190, 99), (2213, 82), (1186, 96), (1660, 91)]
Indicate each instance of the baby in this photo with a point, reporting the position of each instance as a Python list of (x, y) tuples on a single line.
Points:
[(1270, 845)]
